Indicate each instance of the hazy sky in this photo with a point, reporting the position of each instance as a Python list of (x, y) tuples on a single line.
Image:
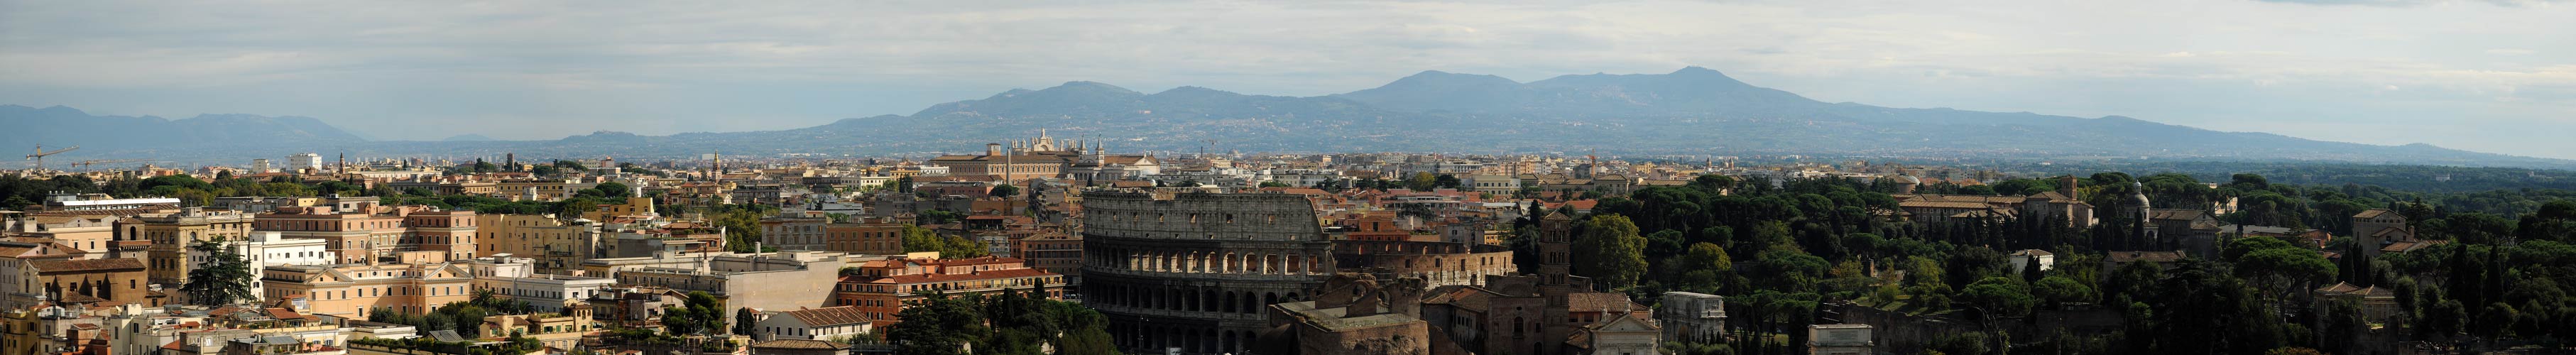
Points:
[(2496, 76)]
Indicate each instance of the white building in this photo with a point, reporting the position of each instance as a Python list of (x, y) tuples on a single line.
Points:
[(304, 161), (2020, 259), (815, 324), (513, 278), (1308, 177), (1622, 334), (265, 249), (1693, 317), (1499, 185)]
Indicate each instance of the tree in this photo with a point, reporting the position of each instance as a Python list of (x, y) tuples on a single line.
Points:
[(1786, 270), (2284, 272), (1705, 268), (1005, 190), (1610, 251), (742, 324), (614, 189), (2059, 291), (700, 313), (223, 279), (574, 208), (917, 239), (2003, 295), (1422, 181)]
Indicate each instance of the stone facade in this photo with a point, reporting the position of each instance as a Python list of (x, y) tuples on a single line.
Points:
[(1194, 270), (1693, 317), (1353, 314), (172, 234), (1438, 263)]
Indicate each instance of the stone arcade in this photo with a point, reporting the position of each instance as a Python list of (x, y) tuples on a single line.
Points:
[(1193, 271)]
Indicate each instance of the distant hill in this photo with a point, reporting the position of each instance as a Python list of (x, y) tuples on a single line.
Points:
[(1690, 111), (467, 138), (160, 138)]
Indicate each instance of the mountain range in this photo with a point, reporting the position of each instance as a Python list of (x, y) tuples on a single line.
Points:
[(1694, 111)]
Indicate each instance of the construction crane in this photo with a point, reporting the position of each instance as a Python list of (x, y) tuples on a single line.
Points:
[(85, 164), (40, 154)]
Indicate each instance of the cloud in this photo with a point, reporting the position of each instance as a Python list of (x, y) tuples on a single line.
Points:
[(518, 70), (2510, 3)]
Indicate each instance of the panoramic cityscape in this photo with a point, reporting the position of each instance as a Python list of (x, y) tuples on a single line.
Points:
[(1288, 178)]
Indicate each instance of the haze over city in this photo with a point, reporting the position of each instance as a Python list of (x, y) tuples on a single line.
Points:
[(2488, 76)]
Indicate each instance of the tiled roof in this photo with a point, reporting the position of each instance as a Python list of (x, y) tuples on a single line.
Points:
[(283, 314), (1598, 301), (830, 316), (57, 265), (2372, 213)]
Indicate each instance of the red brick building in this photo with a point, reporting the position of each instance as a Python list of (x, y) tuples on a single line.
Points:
[(880, 289)]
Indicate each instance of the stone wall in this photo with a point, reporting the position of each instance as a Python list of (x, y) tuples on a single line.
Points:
[(1437, 263)]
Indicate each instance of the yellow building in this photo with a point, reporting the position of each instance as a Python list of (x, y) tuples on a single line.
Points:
[(355, 290), (172, 234), (362, 231), (555, 330), (555, 244), (634, 206)]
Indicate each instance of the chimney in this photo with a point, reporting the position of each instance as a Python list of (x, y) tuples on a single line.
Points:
[(992, 149)]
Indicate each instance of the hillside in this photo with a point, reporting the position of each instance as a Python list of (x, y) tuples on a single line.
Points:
[(159, 138), (1690, 111)]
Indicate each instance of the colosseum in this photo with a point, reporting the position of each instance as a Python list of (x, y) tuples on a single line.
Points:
[(1193, 271)]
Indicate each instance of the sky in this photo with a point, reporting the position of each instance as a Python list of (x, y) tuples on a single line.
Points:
[(2492, 76)]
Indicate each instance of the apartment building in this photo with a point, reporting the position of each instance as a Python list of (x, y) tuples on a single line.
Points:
[(881, 289), (872, 238), (514, 278), (168, 256), (793, 233), (355, 290), (556, 245), (360, 230)]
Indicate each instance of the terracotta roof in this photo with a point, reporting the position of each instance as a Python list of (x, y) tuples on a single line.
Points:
[(57, 265), (2372, 213), (830, 316), (1583, 204), (284, 314), (1598, 301)]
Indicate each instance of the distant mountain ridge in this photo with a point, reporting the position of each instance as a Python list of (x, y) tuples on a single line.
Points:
[(58, 126), (1689, 111)]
